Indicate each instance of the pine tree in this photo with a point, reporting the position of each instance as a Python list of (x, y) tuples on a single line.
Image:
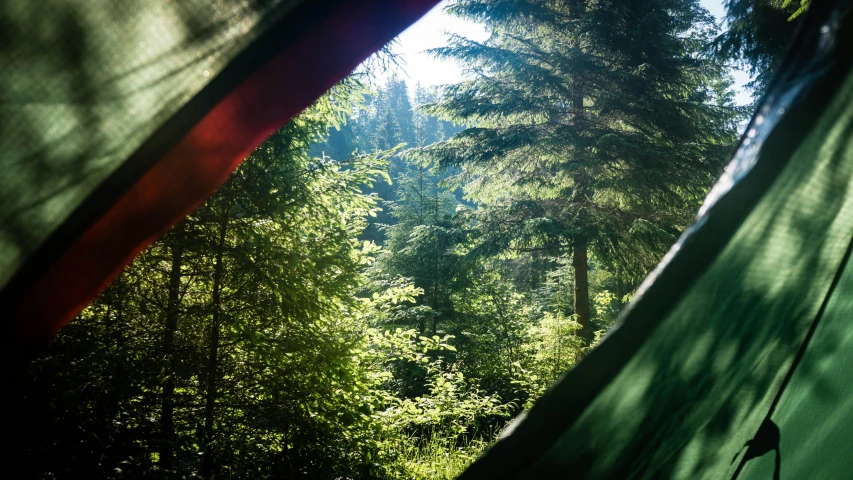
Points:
[(596, 124), (757, 36), (398, 102), (426, 244)]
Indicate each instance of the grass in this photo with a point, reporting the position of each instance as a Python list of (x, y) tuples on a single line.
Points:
[(437, 457)]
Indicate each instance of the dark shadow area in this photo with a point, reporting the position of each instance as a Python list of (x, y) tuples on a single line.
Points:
[(766, 440)]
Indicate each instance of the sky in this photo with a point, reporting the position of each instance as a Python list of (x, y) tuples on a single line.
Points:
[(429, 32)]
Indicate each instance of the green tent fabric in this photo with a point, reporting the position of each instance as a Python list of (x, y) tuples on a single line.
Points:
[(117, 118), (734, 360)]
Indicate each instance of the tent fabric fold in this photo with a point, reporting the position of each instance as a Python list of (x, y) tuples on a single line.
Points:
[(118, 119), (733, 319)]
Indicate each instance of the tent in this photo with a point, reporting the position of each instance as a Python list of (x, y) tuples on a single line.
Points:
[(733, 360), (117, 119)]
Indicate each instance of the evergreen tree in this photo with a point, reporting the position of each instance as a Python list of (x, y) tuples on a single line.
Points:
[(388, 120), (757, 36), (427, 127), (597, 124), (426, 244), (398, 102)]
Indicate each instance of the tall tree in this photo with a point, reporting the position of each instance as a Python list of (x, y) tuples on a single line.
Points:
[(175, 240), (399, 103), (426, 243), (757, 36), (597, 125)]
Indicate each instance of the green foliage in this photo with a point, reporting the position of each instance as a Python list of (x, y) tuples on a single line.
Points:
[(758, 35), (555, 350), (434, 456), (800, 6), (236, 346), (385, 120)]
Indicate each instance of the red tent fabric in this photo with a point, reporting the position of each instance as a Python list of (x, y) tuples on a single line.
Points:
[(278, 75)]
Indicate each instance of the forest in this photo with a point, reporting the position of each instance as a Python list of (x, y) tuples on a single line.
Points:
[(400, 271)]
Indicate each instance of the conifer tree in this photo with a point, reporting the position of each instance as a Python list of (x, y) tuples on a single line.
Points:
[(398, 102), (597, 124), (757, 36), (426, 243)]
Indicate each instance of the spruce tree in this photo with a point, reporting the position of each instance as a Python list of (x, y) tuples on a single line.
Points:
[(757, 36), (398, 102), (594, 127), (426, 244)]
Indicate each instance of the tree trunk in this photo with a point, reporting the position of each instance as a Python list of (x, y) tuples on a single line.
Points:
[(579, 264), (577, 9), (117, 357), (207, 464), (167, 422), (622, 287)]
